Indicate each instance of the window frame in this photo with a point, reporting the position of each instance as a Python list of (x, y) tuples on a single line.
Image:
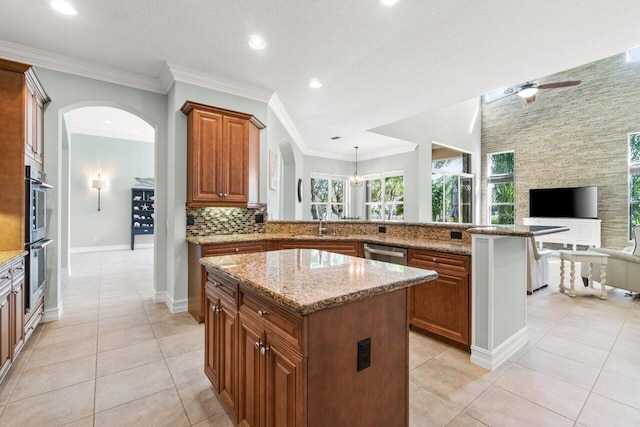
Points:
[(448, 173), (346, 194), (383, 203), (500, 178)]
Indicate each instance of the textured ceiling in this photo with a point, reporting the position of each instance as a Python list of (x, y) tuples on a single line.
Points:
[(378, 64)]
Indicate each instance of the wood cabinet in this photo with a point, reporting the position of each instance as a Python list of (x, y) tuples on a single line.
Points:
[(11, 312), (442, 307), (21, 102), (17, 306), (220, 340), (294, 370), (223, 157), (35, 100), (197, 273), (337, 246)]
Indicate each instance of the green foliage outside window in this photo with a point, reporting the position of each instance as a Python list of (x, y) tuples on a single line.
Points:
[(634, 181), (320, 198), (501, 188)]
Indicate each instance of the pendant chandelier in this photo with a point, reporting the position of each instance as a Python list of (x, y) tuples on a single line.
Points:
[(355, 179)]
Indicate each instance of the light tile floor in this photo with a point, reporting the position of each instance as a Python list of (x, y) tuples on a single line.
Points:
[(118, 359)]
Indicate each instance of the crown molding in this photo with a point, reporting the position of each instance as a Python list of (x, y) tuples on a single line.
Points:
[(278, 109), (208, 81), (78, 67), (350, 158)]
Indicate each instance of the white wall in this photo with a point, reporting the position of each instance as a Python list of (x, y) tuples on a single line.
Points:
[(118, 161), (69, 92)]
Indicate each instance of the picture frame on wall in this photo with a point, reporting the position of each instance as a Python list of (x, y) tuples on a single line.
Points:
[(274, 176)]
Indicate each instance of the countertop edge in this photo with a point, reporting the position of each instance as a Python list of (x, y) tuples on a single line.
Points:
[(7, 257), (435, 245), (304, 310)]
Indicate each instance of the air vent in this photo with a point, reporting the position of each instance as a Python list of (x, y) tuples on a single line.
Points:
[(336, 137)]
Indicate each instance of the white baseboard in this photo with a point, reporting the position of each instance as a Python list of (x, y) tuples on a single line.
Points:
[(492, 359), (109, 248), (52, 314), (175, 306)]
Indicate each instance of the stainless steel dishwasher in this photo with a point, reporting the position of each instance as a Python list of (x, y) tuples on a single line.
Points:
[(391, 254)]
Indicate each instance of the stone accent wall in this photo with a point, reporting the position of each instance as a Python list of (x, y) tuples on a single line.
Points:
[(571, 137), (210, 221)]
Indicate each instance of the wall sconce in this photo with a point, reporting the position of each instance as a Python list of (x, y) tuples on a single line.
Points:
[(99, 184)]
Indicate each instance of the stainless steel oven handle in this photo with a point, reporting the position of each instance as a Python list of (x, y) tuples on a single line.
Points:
[(381, 252), (41, 245), (43, 185)]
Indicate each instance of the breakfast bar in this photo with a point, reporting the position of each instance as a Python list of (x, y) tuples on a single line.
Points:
[(306, 337)]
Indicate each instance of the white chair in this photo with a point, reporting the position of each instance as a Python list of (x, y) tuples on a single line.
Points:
[(537, 267), (623, 266)]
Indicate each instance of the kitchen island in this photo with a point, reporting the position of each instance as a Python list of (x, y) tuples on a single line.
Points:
[(307, 337)]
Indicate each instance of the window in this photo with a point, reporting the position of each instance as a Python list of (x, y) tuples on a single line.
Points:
[(634, 181), (451, 189), (385, 196), (328, 197), (501, 190)]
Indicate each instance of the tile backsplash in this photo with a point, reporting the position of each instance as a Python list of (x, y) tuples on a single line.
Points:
[(210, 221)]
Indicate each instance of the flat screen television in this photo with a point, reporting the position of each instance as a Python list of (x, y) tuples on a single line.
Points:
[(574, 202)]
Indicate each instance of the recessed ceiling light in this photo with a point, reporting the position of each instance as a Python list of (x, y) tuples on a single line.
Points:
[(389, 2), (256, 42), (315, 84), (63, 7)]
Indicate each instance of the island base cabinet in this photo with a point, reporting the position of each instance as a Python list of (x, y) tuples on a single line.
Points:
[(302, 370), (6, 346)]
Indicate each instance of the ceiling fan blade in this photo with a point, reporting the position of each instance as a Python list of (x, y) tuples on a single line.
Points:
[(560, 84), (530, 99)]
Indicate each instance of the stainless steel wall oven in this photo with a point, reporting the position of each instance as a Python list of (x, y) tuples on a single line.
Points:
[(35, 235)]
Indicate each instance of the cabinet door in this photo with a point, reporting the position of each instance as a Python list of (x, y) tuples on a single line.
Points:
[(250, 387), (212, 341), (204, 157), (284, 385), (228, 374), (235, 158), (6, 346), (17, 314), (442, 306)]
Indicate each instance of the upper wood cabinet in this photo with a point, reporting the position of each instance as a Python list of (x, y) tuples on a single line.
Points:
[(223, 157), (22, 100)]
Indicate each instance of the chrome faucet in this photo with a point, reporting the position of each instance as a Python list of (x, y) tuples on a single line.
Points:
[(321, 229)]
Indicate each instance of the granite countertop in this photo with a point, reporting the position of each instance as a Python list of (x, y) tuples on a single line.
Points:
[(8, 256), (309, 280), (517, 230), (434, 245)]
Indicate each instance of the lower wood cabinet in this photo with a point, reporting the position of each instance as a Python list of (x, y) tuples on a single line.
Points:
[(442, 308), (12, 337)]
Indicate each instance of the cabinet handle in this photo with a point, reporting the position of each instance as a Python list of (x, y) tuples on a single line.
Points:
[(16, 291), (435, 259), (19, 268), (217, 309), (225, 194), (5, 277), (216, 284), (220, 195), (3, 304), (263, 350), (258, 344), (261, 313), (237, 249)]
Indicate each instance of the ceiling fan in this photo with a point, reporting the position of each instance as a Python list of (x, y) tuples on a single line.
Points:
[(529, 90)]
